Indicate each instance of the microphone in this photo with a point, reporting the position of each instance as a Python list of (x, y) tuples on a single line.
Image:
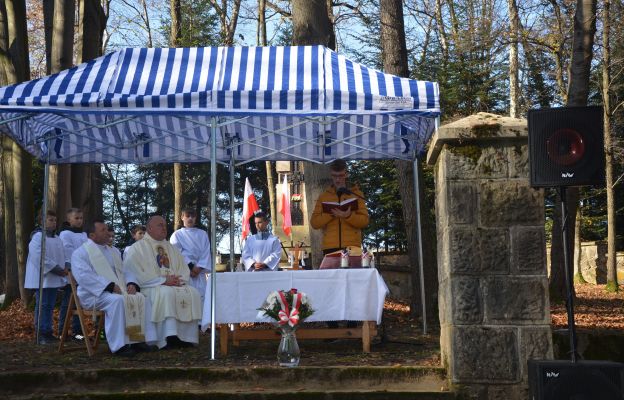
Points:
[(343, 190)]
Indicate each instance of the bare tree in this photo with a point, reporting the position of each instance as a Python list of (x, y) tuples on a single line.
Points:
[(612, 282), (174, 41), (578, 91), (311, 26), (17, 163), (514, 29), (228, 15)]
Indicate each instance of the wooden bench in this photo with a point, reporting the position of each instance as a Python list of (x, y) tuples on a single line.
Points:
[(366, 332)]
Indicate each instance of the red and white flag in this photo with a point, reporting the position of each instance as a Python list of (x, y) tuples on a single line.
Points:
[(250, 205), (284, 208)]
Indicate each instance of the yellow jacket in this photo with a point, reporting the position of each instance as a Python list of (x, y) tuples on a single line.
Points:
[(339, 233)]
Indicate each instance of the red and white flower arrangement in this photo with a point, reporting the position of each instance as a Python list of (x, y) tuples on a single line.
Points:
[(287, 307)]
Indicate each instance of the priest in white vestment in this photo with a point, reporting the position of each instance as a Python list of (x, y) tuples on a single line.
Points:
[(262, 251), (98, 270), (194, 245), (163, 276)]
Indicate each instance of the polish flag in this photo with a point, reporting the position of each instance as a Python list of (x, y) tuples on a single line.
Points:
[(250, 205), (284, 208)]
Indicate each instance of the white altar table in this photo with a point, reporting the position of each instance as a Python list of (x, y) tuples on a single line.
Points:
[(335, 295)]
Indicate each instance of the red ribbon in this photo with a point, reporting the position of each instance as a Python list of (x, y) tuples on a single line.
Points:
[(287, 316)]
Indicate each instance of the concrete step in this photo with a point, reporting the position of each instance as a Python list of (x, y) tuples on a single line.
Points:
[(422, 383)]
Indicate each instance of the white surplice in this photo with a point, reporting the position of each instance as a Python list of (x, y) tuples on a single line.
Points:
[(176, 310), (261, 247), (71, 242), (194, 245), (54, 256), (93, 272)]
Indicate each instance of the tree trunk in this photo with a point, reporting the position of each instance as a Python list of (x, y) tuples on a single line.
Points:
[(578, 90), (612, 281), (10, 257), (21, 160), (86, 190), (177, 195), (311, 26), (394, 55), (513, 58), (174, 40), (61, 54), (578, 251)]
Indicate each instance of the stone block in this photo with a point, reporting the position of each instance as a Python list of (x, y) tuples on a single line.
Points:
[(536, 344), (516, 300), (518, 157), (444, 302), (473, 161), (509, 203), (461, 203), (464, 251), (467, 300), (494, 249), (528, 249), (485, 354)]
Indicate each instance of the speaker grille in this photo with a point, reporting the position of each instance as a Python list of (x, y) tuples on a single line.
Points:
[(566, 146)]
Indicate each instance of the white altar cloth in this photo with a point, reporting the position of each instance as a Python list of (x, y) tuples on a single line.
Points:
[(335, 295)]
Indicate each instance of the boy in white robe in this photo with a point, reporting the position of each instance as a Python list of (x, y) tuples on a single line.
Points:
[(73, 237), (159, 269), (138, 231), (97, 269), (194, 245), (262, 251), (54, 273)]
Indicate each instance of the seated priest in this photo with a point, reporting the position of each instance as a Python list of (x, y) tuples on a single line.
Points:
[(162, 274), (262, 250), (101, 285)]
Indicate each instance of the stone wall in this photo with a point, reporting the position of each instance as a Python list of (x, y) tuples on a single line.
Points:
[(594, 262), (493, 294)]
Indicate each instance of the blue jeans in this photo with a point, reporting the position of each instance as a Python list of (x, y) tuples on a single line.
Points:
[(47, 309), (66, 291)]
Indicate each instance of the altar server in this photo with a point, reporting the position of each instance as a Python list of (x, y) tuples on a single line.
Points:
[(262, 250), (194, 245), (54, 273), (163, 276), (97, 269)]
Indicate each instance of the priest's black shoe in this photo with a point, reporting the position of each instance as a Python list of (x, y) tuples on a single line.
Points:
[(143, 347), (174, 342), (125, 351)]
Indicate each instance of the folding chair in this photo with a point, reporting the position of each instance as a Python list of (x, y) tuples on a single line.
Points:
[(90, 342)]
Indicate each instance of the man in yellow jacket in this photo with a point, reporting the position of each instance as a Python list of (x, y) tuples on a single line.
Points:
[(341, 228)]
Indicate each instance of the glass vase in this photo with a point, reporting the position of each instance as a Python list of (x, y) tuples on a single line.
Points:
[(288, 353)]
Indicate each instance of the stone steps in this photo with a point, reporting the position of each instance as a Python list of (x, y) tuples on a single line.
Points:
[(335, 383)]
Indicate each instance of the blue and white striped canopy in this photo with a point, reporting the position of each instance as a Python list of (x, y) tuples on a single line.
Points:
[(263, 103)]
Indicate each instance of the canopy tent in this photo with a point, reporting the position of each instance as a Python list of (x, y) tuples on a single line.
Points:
[(223, 105), (270, 103)]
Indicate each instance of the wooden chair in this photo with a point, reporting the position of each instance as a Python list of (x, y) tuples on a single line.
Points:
[(91, 342)]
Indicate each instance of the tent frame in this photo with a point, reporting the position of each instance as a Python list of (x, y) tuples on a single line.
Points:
[(230, 145)]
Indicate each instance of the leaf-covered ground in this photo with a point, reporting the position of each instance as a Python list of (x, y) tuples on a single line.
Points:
[(594, 309), (399, 343)]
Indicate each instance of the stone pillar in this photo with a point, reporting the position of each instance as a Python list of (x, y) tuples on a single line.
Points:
[(493, 293)]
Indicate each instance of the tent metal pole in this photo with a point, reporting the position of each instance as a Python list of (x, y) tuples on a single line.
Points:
[(421, 268), (44, 212), (213, 234), (232, 211)]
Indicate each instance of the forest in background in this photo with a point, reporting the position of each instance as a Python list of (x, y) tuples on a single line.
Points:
[(499, 56)]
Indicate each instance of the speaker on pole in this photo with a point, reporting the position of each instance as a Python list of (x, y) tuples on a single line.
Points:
[(583, 380), (566, 146)]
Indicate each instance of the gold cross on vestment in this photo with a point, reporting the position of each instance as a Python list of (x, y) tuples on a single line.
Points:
[(183, 303)]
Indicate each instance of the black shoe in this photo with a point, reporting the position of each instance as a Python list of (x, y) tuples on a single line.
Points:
[(174, 342), (143, 347), (125, 351), (46, 339)]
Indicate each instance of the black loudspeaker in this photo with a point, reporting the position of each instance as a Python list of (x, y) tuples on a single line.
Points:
[(583, 380), (566, 146)]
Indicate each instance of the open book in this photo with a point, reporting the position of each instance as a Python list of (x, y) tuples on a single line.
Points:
[(344, 205)]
